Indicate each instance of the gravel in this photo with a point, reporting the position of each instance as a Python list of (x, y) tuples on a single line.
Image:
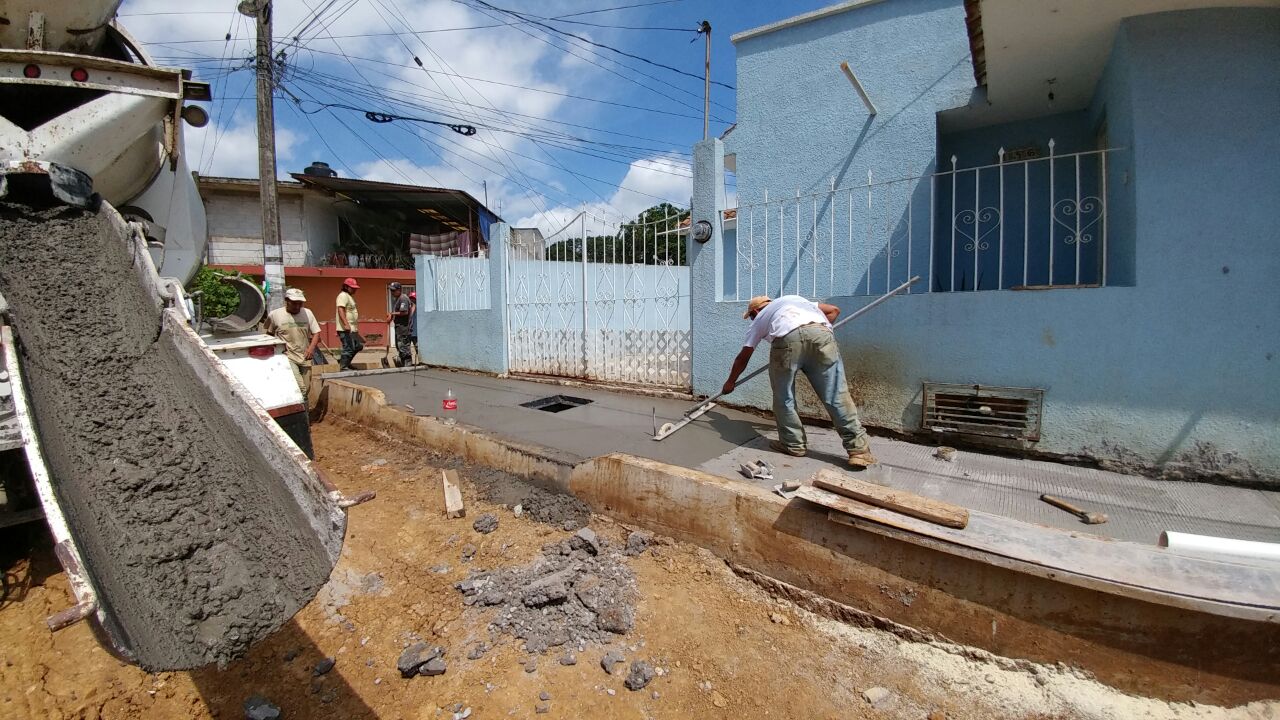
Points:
[(485, 524), (259, 708), (637, 543), (640, 676), (416, 657), (577, 592), (611, 660)]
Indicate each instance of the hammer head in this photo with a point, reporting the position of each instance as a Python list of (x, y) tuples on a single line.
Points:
[(1094, 518)]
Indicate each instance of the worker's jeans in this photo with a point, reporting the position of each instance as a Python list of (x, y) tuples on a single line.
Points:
[(351, 345), (812, 349)]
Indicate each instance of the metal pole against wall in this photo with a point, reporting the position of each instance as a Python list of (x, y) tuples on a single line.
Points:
[(705, 29), (583, 230), (272, 251)]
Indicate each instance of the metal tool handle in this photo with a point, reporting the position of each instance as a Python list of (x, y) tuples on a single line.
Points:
[(1062, 504), (852, 316)]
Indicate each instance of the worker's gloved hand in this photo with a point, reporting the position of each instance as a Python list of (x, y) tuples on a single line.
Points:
[(729, 385)]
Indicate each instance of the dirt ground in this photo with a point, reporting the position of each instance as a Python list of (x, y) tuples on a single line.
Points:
[(727, 649)]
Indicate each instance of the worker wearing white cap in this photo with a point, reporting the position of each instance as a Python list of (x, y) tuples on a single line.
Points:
[(297, 327), (801, 340)]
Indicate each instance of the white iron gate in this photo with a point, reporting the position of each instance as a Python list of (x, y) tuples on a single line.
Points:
[(618, 312)]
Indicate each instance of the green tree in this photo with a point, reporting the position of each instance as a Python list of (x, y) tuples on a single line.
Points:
[(217, 299), (653, 238)]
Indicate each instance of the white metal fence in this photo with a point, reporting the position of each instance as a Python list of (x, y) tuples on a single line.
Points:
[(609, 307), (461, 283), (1040, 222)]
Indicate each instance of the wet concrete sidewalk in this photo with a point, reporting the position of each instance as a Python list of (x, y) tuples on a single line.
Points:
[(724, 439)]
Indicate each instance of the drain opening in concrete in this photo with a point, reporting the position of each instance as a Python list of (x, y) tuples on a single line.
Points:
[(556, 403)]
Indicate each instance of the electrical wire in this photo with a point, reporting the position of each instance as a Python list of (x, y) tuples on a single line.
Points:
[(592, 42)]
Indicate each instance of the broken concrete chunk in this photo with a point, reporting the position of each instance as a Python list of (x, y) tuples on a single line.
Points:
[(568, 659), (477, 651), (415, 657), (878, 697), (553, 588), (640, 676), (616, 617), (434, 666), (542, 708), (324, 666), (610, 660), (485, 524), (544, 695), (259, 708), (585, 539), (637, 542), (468, 552), (531, 666)]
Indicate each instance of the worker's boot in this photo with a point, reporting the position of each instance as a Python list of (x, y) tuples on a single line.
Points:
[(862, 458), (777, 446)]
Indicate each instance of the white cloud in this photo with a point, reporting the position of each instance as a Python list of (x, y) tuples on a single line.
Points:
[(233, 151), (645, 182), (513, 58)]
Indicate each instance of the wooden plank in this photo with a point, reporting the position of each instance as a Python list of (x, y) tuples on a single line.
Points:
[(901, 501), (849, 506), (1115, 566), (452, 495)]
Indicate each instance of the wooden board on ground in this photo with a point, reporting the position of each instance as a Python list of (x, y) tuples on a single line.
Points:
[(453, 495), (1095, 561), (839, 503), (901, 501)]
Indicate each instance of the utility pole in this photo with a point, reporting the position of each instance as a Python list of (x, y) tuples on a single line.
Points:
[(705, 29), (272, 251)]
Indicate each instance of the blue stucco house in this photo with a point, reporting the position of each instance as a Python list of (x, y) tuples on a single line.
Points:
[(1088, 192)]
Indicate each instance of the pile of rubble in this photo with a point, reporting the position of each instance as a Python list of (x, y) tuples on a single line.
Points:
[(579, 591)]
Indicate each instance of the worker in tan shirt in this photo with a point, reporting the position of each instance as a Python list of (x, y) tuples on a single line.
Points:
[(297, 327), (348, 318)]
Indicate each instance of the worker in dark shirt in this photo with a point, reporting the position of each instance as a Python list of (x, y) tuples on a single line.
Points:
[(401, 318)]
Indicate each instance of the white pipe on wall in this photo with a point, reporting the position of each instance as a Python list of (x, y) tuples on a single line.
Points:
[(1219, 546)]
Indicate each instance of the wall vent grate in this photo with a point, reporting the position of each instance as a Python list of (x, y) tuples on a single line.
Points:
[(987, 410)]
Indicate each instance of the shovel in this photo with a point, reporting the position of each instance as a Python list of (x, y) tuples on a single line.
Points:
[(391, 343)]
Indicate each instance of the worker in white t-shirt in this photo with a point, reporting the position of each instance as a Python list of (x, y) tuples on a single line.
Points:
[(800, 338)]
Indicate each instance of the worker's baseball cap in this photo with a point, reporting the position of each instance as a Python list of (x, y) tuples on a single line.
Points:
[(394, 286), (413, 296), (295, 295), (755, 304), (351, 283)]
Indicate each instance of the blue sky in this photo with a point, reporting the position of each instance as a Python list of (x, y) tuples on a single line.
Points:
[(619, 145)]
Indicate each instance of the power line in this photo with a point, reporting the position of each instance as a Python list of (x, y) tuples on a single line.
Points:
[(592, 42), (619, 7), (633, 81)]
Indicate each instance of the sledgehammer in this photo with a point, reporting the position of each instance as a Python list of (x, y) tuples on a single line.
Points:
[(1088, 518)]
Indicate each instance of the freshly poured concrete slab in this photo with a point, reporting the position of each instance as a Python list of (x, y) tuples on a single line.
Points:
[(723, 440), (612, 422), (1138, 508)]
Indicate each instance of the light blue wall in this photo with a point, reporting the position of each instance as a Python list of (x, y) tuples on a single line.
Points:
[(1180, 371), (473, 339)]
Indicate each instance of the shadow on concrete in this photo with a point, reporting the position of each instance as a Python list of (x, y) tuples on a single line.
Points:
[(282, 669)]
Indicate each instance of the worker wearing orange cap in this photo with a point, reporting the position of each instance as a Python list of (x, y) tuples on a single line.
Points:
[(348, 318)]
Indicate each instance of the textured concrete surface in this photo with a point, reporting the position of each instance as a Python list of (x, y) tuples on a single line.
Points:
[(613, 422), (1139, 508), (723, 440)]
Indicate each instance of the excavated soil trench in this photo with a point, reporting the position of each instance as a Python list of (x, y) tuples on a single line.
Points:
[(197, 550)]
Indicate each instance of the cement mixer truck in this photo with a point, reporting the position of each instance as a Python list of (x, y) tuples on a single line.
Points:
[(190, 525)]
